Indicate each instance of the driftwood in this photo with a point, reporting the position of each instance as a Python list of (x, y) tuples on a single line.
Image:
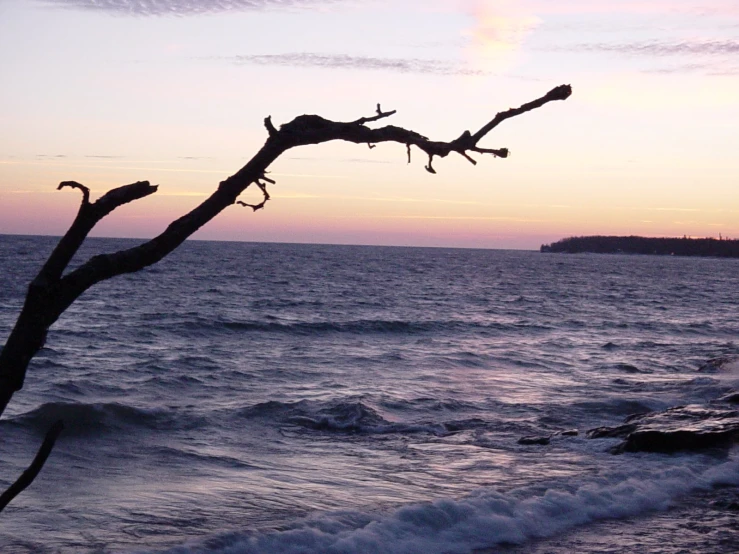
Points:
[(53, 291)]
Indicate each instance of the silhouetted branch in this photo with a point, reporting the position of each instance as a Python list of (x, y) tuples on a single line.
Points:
[(265, 194), (313, 129), (38, 462), (87, 217), (561, 92), (47, 299), (76, 185), (52, 292), (379, 115), (269, 126), (429, 167)]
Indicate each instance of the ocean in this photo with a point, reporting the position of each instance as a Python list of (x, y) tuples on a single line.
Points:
[(281, 398)]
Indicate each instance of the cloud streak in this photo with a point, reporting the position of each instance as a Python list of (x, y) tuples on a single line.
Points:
[(181, 7), (660, 48), (344, 61), (710, 57)]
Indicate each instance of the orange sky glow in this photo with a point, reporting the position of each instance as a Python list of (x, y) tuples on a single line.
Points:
[(646, 144)]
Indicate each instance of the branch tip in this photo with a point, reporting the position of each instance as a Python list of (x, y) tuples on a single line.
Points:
[(78, 186), (33, 470), (430, 167), (269, 126), (469, 158), (379, 114), (562, 92)]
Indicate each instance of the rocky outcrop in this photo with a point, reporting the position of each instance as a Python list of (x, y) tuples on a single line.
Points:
[(680, 428)]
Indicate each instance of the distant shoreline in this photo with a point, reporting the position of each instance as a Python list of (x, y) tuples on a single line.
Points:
[(705, 247)]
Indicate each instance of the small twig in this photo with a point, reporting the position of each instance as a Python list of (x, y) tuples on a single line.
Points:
[(33, 470), (430, 167), (79, 186), (469, 158), (380, 115), (270, 127), (255, 207), (497, 152), (263, 188)]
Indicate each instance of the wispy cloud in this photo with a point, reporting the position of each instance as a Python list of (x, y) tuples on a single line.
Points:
[(661, 48), (707, 68), (710, 57), (345, 61), (182, 7), (701, 8)]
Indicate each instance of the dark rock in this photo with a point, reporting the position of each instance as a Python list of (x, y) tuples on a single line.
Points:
[(680, 428), (569, 433), (610, 432), (534, 440)]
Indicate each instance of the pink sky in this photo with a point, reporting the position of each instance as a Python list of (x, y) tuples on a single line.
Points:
[(108, 93)]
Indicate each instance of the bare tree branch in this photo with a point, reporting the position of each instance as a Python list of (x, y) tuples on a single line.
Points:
[(265, 194), (33, 470), (271, 131), (41, 308), (561, 92), (52, 292), (76, 185), (87, 217), (379, 115)]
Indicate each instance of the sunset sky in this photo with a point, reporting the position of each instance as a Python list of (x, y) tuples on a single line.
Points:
[(108, 92)]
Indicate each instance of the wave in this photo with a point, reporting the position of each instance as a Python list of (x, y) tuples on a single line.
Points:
[(428, 404), (86, 419), (360, 326), (350, 417), (482, 520)]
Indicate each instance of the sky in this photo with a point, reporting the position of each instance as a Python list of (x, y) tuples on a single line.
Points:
[(109, 92)]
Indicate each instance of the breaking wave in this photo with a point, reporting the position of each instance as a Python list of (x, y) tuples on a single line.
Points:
[(482, 520), (82, 419)]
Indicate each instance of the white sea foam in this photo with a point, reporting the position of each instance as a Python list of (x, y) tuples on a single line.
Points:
[(481, 520)]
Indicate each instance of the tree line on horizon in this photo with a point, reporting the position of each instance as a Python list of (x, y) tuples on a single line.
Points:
[(685, 246)]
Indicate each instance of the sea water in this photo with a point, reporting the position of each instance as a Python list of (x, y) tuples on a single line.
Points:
[(275, 398)]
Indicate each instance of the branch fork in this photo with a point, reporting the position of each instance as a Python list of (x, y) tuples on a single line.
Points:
[(53, 290)]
